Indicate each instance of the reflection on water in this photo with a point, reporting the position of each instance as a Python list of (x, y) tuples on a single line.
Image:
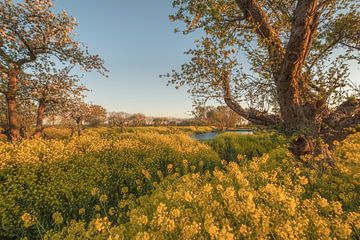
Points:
[(211, 135)]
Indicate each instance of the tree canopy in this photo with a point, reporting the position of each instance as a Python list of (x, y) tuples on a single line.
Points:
[(31, 34)]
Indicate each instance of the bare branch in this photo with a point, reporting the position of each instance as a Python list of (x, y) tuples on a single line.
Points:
[(252, 115)]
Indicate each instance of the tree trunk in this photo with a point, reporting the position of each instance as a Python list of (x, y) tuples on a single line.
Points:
[(72, 131), (40, 118), (79, 127), (14, 126)]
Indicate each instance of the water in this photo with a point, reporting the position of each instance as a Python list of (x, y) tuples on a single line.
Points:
[(211, 135)]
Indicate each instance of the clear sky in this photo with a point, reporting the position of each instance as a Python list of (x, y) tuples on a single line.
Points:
[(138, 43)]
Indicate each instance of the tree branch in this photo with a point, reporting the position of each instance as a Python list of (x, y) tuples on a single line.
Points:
[(350, 46), (341, 122), (253, 12), (252, 115), (6, 57)]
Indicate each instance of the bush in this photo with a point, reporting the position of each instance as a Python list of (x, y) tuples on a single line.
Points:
[(230, 145), (62, 177)]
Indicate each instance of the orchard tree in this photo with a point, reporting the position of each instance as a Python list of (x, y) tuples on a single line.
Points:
[(30, 32), (51, 89), (97, 115), (77, 113), (161, 121), (3, 115), (118, 119), (287, 59), (137, 119)]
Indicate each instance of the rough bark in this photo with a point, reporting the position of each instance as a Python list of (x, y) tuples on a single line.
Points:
[(14, 126), (40, 119), (290, 85)]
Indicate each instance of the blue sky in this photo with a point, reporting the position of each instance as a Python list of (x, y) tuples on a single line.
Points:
[(138, 43)]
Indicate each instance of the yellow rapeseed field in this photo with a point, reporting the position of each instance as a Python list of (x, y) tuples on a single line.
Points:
[(151, 185)]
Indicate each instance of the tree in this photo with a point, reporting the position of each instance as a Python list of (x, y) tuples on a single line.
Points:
[(137, 119), (97, 115), (52, 89), (287, 59), (29, 33), (118, 119), (161, 121), (223, 117), (77, 113), (200, 114)]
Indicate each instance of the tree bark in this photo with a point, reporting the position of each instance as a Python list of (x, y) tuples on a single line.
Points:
[(40, 119), (291, 86), (14, 126), (79, 126)]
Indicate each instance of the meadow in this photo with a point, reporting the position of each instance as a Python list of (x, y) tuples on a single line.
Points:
[(159, 183)]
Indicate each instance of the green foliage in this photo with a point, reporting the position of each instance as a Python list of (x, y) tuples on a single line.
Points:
[(230, 145)]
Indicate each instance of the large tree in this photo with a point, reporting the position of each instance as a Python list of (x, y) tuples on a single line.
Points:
[(29, 33), (288, 60)]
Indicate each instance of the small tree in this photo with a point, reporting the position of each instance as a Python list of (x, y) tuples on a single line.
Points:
[(118, 119), (97, 115), (137, 119), (77, 113), (161, 121), (30, 32), (223, 117)]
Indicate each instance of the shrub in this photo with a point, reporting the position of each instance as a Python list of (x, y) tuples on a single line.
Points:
[(230, 145)]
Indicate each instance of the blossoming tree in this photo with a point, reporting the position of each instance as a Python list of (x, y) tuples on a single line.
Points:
[(29, 31), (52, 89)]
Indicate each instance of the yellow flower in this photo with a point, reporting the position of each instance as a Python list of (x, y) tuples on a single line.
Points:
[(94, 191), (244, 230), (170, 167), (303, 180), (81, 211), (97, 207), (102, 224), (58, 219), (111, 211), (124, 189), (187, 197), (103, 198), (28, 220)]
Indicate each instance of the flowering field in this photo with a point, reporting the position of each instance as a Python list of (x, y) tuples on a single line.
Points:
[(164, 185)]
